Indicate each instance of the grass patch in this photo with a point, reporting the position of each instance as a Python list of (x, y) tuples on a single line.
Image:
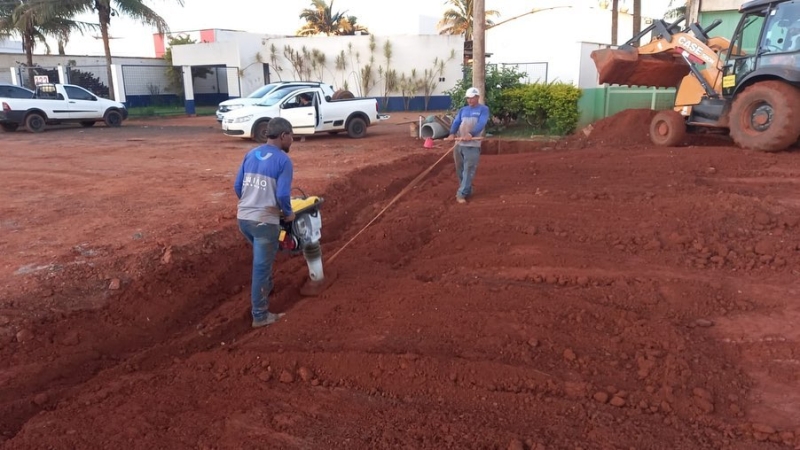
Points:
[(167, 111)]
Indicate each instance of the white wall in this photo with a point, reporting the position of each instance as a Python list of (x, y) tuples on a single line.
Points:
[(9, 46), (588, 71), (416, 52), (247, 52), (213, 53)]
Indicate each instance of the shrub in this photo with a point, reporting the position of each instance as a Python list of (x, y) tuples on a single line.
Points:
[(551, 107)]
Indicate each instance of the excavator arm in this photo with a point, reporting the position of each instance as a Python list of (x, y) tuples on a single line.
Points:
[(666, 60)]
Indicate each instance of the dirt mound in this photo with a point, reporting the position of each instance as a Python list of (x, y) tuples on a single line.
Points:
[(629, 127)]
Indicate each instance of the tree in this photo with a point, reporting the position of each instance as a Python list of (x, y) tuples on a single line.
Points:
[(34, 20), (677, 8), (321, 19), (106, 9), (458, 19)]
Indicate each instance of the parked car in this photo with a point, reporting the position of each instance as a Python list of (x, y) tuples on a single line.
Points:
[(59, 103), (262, 92), (319, 115), (11, 91)]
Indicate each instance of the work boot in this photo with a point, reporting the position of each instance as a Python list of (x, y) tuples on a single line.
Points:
[(269, 320)]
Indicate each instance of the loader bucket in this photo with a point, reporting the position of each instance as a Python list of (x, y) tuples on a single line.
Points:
[(628, 67)]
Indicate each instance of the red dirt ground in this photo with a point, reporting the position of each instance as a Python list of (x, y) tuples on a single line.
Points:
[(589, 296)]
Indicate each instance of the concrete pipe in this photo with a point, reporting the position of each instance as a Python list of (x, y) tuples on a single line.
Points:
[(434, 130)]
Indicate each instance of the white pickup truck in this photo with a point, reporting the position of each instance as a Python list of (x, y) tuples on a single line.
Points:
[(309, 111), (59, 103), (261, 93)]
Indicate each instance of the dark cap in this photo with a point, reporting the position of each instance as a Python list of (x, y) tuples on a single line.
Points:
[(278, 126)]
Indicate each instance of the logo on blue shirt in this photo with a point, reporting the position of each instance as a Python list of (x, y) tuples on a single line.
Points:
[(262, 157)]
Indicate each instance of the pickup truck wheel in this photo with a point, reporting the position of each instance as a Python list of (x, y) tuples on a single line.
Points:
[(356, 128), (113, 119), (10, 127), (260, 133), (35, 122), (87, 124)]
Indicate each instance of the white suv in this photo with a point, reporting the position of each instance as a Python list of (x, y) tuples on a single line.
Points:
[(263, 92)]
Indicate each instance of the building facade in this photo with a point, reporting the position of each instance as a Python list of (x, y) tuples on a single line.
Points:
[(406, 72)]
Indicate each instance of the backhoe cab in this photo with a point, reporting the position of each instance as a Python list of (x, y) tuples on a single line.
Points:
[(747, 86)]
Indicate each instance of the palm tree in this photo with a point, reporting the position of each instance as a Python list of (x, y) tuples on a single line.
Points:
[(458, 19), (106, 9), (349, 26), (34, 20), (63, 40), (321, 19)]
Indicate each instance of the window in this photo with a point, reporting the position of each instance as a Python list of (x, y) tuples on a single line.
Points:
[(300, 100), (262, 91), (277, 95), (47, 92), (15, 92), (76, 93), (782, 31), (745, 42)]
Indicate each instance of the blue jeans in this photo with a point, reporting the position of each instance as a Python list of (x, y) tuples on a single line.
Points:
[(466, 164), (264, 239)]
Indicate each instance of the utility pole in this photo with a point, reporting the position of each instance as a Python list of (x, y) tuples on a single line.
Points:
[(479, 47), (692, 11), (614, 21)]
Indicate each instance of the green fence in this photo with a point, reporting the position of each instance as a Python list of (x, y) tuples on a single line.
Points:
[(598, 103)]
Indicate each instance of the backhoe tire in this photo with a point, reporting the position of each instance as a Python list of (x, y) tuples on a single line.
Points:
[(668, 129), (766, 116), (35, 122)]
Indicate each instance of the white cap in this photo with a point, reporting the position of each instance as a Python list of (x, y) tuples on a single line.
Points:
[(472, 92)]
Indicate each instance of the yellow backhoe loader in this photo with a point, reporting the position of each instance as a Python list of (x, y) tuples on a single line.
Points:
[(748, 86)]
